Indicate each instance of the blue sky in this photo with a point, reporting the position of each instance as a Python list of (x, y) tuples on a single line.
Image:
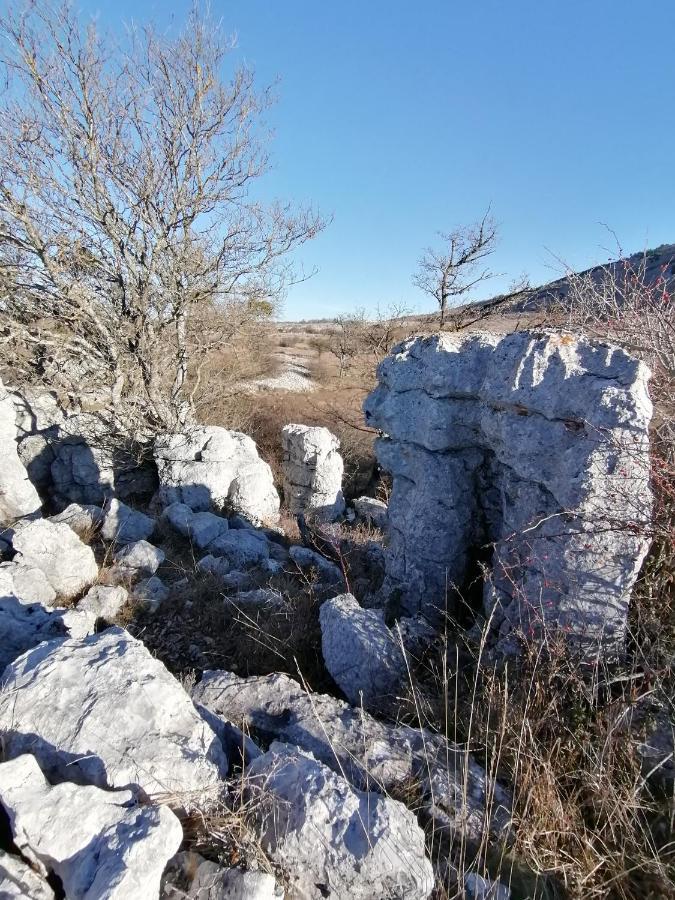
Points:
[(403, 118)]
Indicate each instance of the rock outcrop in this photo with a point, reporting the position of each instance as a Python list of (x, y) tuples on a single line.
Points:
[(213, 468), (312, 469), (103, 711), (533, 441), (18, 880), (99, 843), (455, 791), (331, 839), (18, 496)]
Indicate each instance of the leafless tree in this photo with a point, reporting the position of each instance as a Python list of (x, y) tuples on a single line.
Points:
[(456, 268), (126, 211), (387, 327), (346, 340)]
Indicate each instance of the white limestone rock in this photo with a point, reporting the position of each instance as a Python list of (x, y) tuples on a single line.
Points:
[(191, 877), (103, 711), (371, 511), (30, 583), (305, 558), (152, 592), (24, 625), (18, 880), (212, 468), (139, 557), (201, 528), (104, 601), (68, 564), (125, 525), (18, 496), (313, 471), (179, 516), (206, 527), (242, 548), (331, 839), (99, 843), (536, 441), (371, 754), (363, 656), (84, 520)]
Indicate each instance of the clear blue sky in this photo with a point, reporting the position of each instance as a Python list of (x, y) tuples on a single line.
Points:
[(403, 118)]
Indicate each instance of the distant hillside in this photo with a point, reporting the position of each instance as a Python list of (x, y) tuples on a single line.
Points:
[(656, 263)]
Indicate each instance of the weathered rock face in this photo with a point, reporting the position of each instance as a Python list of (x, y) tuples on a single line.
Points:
[(313, 471), (99, 843), (18, 497), (535, 441), (331, 839), (211, 467), (456, 792), (68, 564), (364, 657), (77, 456), (17, 879), (23, 624), (103, 711)]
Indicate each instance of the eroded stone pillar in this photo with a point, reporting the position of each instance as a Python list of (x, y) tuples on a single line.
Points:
[(313, 471), (535, 443)]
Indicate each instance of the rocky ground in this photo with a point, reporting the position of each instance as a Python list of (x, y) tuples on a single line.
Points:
[(208, 695)]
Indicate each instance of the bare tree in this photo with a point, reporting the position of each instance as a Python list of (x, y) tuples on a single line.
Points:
[(452, 271), (346, 340), (387, 327), (125, 204)]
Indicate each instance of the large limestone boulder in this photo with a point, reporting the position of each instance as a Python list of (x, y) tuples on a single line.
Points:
[(18, 496), (212, 468), (364, 656), (103, 711), (454, 790), (68, 564), (99, 843), (536, 442), (313, 471), (331, 839)]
